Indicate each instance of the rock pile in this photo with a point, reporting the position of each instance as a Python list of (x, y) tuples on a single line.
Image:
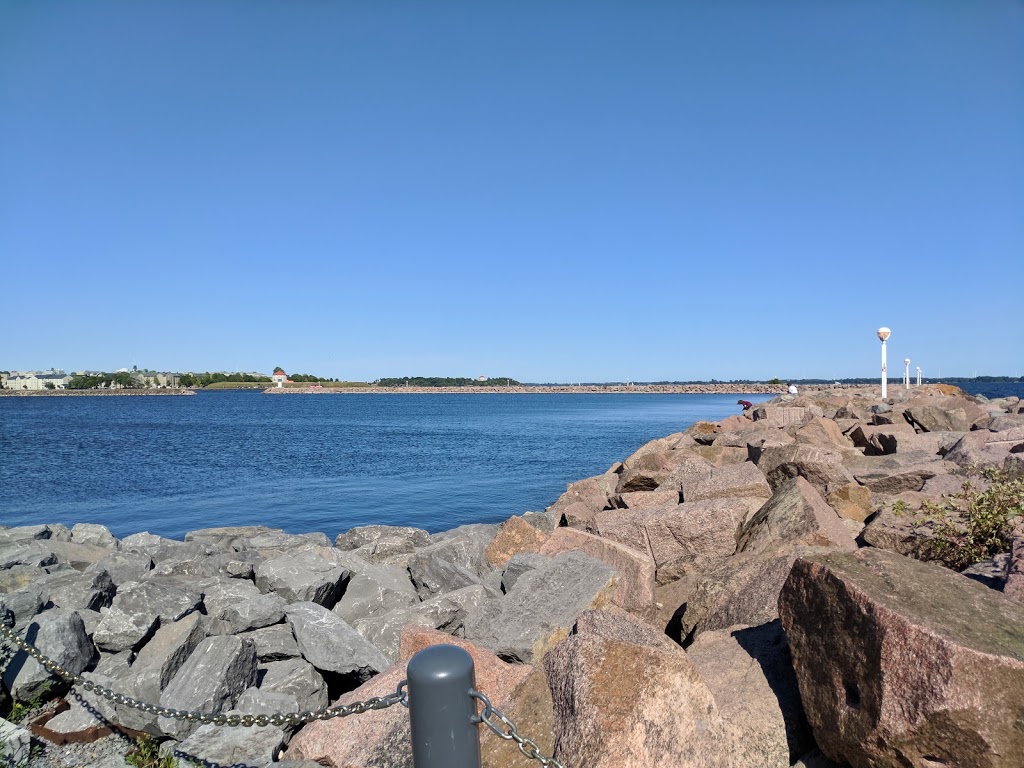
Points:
[(738, 595)]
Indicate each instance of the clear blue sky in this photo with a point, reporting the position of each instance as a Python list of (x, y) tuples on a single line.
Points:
[(554, 191)]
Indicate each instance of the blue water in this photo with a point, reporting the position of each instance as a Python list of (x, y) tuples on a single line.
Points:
[(169, 465)]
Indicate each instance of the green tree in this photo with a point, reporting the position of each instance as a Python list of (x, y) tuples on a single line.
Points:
[(49, 385)]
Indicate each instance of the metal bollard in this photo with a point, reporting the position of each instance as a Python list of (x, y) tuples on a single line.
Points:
[(441, 711)]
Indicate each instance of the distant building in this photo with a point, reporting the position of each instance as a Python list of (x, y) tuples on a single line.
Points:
[(279, 378), (481, 378), (33, 380)]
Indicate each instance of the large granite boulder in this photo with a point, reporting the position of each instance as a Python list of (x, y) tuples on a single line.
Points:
[(786, 415), (902, 663), (433, 575), (210, 680), (252, 747), (795, 514), (123, 567), (241, 606), (93, 535), (355, 538), (376, 590), (514, 537), (820, 466), (727, 482), (296, 678), (878, 440), (896, 473), (540, 609), (159, 660), (625, 696), (949, 415), (986, 449), (821, 431)]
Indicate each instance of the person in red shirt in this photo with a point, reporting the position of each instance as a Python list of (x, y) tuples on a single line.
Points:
[(747, 405)]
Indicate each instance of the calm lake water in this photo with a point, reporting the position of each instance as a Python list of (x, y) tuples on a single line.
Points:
[(169, 465)]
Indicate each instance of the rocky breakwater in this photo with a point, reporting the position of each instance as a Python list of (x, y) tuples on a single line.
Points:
[(742, 594)]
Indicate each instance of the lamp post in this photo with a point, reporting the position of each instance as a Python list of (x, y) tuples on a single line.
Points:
[(883, 334), (919, 375), (906, 376)]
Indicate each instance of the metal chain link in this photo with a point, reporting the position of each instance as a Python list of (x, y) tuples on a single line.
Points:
[(510, 732), (400, 696)]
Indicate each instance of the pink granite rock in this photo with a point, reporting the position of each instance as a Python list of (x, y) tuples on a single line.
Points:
[(627, 697), (727, 482), (903, 663), (795, 514)]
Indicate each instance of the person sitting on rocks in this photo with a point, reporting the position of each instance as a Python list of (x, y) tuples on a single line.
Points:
[(747, 405)]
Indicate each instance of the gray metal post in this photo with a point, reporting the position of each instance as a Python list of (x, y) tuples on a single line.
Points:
[(441, 710)]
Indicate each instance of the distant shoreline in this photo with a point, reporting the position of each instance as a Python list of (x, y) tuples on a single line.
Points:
[(560, 389), (92, 392)]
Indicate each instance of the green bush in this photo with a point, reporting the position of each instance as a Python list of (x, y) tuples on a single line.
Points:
[(974, 524)]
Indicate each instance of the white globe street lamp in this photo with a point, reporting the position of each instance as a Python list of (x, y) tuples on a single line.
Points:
[(906, 375), (883, 334), (919, 375)]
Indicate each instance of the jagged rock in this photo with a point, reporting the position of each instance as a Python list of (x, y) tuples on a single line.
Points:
[(239, 537), (33, 553), (374, 591), (945, 417), (23, 533), (253, 747), (433, 575), (821, 431), (242, 605), (160, 659), (23, 604), (296, 678), (518, 565), (899, 534), (992, 571), (200, 568), (905, 663), (139, 607), (591, 492), (445, 612), (94, 535), (882, 439), (541, 607), (851, 502), (743, 589), (638, 500), (659, 470), (985, 449), (896, 473), (635, 591), (123, 566), (159, 549), (750, 674), (17, 577), (210, 680), (627, 697), (304, 576), (464, 546), (253, 701), (795, 514), (274, 643), (356, 538), (71, 589), (728, 482), (821, 467), (60, 635), (331, 645), (514, 536), (721, 455)]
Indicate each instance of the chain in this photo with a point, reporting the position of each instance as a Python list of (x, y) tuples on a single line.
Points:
[(400, 696), (506, 729)]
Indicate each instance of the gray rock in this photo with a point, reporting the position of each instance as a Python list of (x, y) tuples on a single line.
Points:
[(520, 564), (93, 534), (992, 571), (71, 589), (90, 618), (61, 636), (444, 612), (306, 575), (35, 533), (159, 549), (30, 552), (234, 537), (160, 659), (15, 744), (211, 679), (331, 645), (123, 566), (295, 678), (463, 546), (139, 607), (19, 576), (242, 605), (253, 747), (374, 591), (433, 575), (23, 604), (253, 701), (274, 643), (542, 606), (356, 538), (200, 567)]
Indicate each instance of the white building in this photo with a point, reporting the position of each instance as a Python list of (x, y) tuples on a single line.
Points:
[(34, 380), (279, 378)]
